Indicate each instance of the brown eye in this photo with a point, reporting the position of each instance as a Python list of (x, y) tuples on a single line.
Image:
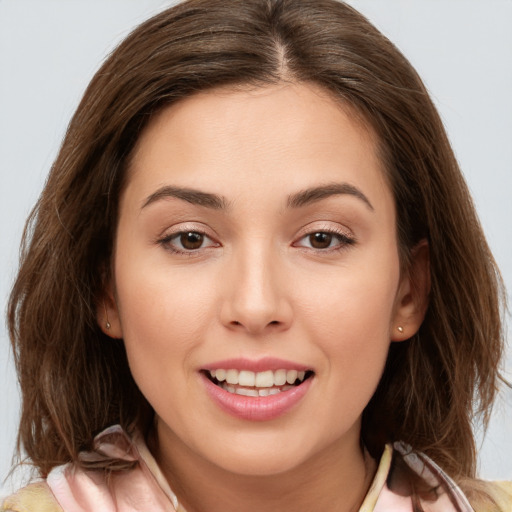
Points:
[(191, 240), (187, 242), (325, 241), (320, 240)]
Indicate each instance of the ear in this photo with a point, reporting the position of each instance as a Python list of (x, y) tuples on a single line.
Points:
[(107, 313), (413, 293)]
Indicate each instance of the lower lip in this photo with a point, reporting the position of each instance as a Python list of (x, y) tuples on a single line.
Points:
[(260, 408)]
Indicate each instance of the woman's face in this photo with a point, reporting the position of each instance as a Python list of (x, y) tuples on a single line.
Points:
[(256, 244)]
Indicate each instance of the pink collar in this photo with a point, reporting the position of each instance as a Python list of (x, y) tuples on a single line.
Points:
[(145, 488)]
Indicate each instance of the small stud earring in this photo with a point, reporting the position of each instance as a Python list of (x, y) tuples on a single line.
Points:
[(107, 323), (400, 329)]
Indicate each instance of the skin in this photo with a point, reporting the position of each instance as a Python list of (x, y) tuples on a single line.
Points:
[(257, 287)]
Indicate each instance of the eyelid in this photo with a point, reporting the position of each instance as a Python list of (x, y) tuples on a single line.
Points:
[(196, 227), (327, 227), (169, 234), (345, 235)]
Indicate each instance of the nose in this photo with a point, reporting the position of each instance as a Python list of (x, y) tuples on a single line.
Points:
[(255, 299)]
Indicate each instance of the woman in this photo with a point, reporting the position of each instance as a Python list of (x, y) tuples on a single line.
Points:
[(256, 254)]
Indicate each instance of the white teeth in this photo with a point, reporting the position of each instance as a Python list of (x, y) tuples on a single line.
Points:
[(266, 379), (232, 376), (250, 392), (246, 392), (246, 378), (291, 376), (280, 377), (255, 392)]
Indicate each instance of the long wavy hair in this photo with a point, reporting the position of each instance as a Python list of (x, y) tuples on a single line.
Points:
[(75, 380)]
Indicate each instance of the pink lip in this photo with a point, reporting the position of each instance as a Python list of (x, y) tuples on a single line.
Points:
[(260, 365), (262, 408)]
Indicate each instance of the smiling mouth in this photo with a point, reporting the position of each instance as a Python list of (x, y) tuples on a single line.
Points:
[(256, 384)]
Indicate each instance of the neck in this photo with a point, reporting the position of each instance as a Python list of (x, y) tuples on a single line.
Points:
[(337, 479)]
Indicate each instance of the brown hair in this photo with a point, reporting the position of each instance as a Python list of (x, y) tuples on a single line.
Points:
[(75, 380)]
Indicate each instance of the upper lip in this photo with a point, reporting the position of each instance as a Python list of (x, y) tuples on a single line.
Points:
[(256, 365)]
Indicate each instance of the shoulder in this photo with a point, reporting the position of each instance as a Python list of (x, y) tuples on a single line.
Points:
[(36, 497), (437, 491), (490, 496)]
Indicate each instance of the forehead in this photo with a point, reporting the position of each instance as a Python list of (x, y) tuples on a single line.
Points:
[(283, 135)]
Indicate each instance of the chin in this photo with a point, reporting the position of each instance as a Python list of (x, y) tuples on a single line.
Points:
[(263, 464), (261, 454)]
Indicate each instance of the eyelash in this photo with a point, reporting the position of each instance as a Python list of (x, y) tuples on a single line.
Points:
[(344, 241), (166, 242)]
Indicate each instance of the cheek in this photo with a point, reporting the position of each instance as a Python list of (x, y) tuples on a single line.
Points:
[(356, 302), (155, 295), (164, 314), (352, 331), (350, 314), (354, 335)]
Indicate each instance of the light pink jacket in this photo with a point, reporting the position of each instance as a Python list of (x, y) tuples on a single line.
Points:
[(144, 488)]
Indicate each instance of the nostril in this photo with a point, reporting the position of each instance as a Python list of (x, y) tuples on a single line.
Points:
[(254, 325)]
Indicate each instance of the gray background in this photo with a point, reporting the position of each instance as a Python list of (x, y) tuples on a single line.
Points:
[(49, 50)]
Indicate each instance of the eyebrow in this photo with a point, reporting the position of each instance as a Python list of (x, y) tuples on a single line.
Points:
[(193, 196), (216, 202), (311, 195)]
